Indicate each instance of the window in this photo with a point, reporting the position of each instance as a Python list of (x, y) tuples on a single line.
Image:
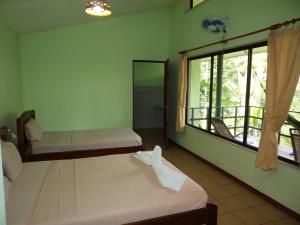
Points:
[(226, 97), (194, 3)]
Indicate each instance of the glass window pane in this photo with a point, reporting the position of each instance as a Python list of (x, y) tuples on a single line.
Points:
[(213, 105), (257, 106), (295, 107), (285, 148), (230, 93), (229, 86), (198, 93), (257, 95)]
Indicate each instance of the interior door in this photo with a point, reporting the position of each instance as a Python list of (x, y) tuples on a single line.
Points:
[(166, 102)]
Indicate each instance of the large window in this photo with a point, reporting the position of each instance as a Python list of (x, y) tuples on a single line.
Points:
[(226, 97)]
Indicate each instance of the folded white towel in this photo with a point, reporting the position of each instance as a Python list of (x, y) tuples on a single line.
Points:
[(168, 177), (145, 156)]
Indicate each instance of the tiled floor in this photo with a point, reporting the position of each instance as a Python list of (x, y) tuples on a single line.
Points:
[(236, 204)]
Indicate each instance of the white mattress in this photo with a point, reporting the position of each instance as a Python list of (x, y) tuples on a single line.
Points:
[(63, 141), (109, 190)]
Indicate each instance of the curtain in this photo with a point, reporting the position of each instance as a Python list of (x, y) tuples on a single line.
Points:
[(182, 86), (282, 78)]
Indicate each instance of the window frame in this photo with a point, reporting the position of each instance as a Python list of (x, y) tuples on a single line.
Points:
[(191, 4), (212, 55)]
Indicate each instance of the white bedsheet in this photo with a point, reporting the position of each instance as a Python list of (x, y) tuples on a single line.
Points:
[(85, 140), (109, 190), (25, 191)]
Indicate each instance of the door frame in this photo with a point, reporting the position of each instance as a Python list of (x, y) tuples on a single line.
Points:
[(166, 91)]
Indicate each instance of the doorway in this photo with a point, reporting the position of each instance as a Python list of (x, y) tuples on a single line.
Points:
[(150, 101)]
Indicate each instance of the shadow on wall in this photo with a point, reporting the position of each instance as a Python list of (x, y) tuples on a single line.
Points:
[(148, 90), (9, 120), (148, 110)]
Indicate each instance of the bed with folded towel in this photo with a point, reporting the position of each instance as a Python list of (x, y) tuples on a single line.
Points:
[(36, 145), (168, 177), (108, 190)]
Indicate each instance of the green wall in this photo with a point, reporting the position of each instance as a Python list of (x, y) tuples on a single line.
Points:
[(80, 77), (10, 100), (148, 74), (244, 16)]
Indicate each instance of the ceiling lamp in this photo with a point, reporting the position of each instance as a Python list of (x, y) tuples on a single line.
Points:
[(98, 8)]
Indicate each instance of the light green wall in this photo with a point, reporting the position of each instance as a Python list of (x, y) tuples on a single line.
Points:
[(10, 100), (80, 77), (244, 16), (148, 74)]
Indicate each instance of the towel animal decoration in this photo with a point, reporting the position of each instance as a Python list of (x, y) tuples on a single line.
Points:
[(167, 177)]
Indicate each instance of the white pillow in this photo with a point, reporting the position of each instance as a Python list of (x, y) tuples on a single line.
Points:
[(7, 187), (33, 131), (11, 159)]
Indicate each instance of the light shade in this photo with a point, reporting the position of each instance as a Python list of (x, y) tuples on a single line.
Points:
[(98, 8)]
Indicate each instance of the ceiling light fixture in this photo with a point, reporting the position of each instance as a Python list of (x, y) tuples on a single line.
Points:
[(98, 8)]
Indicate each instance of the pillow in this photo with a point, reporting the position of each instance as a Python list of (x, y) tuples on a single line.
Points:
[(33, 131), (7, 187), (11, 159)]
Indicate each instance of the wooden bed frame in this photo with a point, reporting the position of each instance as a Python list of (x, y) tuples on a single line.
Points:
[(25, 146), (4, 133), (207, 215)]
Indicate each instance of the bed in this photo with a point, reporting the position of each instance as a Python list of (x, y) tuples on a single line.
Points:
[(4, 133), (75, 144), (108, 190)]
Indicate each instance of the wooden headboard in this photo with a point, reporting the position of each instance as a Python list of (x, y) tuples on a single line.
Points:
[(21, 121), (4, 133)]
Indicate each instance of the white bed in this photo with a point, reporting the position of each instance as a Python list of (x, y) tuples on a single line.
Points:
[(36, 145), (64, 141), (109, 190)]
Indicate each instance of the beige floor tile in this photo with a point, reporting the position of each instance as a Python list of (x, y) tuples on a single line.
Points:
[(218, 192), (270, 212), (190, 158), (251, 199), (229, 219), (222, 180), (221, 208), (272, 223), (250, 217), (212, 173), (198, 177), (233, 203), (189, 169), (287, 221), (236, 189), (200, 167), (179, 164), (206, 183), (195, 175), (210, 195)]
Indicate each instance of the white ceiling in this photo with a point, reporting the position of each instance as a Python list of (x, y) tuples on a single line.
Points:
[(36, 15)]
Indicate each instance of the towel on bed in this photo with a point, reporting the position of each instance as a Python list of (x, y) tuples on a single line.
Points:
[(167, 177)]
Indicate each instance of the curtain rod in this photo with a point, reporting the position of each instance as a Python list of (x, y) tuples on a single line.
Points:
[(225, 41)]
